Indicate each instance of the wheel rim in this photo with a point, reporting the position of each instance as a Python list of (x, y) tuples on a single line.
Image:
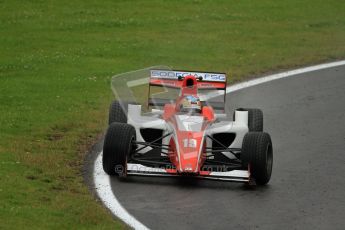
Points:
[(130, 149)]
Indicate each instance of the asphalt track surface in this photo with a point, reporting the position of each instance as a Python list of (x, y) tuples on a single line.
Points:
[(305, 116)]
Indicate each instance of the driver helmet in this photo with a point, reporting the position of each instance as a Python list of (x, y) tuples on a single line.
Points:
[(191, 103)]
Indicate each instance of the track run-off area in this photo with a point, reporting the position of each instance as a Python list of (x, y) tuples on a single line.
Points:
[(304, 112)]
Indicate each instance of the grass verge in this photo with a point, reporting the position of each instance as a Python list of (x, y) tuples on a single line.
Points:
[(57, 57)]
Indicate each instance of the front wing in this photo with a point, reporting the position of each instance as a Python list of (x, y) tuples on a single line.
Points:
[(234, 175)]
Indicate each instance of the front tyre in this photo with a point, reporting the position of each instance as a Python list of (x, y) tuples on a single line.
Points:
[(118, 146), (257, 152)]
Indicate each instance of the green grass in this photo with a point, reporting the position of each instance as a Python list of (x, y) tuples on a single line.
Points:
[(57, 58)]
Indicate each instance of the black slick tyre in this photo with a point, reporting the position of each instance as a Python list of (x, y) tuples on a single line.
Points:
[(257, 152), (117, 148), (118, 113)]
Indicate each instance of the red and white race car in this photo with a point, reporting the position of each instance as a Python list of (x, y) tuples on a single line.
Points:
[(184, 134)]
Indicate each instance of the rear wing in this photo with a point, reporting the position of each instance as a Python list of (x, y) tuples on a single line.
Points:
[(173, 79)]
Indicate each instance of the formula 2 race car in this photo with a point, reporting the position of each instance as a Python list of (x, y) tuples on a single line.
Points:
[(186, 132)]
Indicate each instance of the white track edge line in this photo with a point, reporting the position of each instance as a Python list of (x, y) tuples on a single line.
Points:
[(102, 180), (103, 188), (289, 73)]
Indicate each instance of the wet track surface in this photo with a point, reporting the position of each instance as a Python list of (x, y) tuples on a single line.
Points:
[(305, 116)]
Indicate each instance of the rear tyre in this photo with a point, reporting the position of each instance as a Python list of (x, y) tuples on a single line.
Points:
[(117, 113), (255, 119), (118, 146), (257, 152)]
